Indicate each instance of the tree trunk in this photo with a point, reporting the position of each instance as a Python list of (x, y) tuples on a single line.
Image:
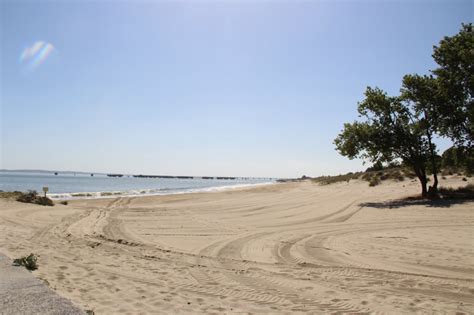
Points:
[(433, 189), (424, 191), (421, 174), (435, 184)]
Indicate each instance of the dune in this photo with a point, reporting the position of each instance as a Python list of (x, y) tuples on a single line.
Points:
[(282, 248)]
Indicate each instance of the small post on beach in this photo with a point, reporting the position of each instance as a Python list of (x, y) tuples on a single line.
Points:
[(45, 189)]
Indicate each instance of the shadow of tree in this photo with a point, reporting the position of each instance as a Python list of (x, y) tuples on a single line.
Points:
[(437, 203)]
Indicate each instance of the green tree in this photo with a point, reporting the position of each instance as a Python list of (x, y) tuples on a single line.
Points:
[(421, 94), (455, 76), (391, 129), (403, 127)]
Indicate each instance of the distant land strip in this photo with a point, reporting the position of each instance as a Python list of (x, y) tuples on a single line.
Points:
[(187, 177)]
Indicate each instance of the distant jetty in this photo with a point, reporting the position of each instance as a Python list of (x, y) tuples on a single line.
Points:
[(152, 176), (184, 177), (164, 176)]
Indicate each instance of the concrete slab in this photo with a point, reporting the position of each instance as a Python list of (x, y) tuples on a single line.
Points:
[(22, 293)]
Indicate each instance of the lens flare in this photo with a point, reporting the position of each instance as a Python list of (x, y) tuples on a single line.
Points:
[(36, 54)]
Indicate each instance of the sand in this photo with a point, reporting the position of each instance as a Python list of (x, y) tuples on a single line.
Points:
[(284, 248)]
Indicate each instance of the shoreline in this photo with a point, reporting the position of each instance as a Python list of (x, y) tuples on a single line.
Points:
[(161, 192)]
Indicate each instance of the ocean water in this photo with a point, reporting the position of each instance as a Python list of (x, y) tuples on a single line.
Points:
[(80, 185)]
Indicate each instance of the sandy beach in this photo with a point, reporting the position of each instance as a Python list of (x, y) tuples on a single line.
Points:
[(283, 248)]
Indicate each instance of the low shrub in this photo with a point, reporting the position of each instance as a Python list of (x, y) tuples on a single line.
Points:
[(32, 197), (374, 181), (64, 202), (466, 192), (29, 262), (28, 197), (44, 201)]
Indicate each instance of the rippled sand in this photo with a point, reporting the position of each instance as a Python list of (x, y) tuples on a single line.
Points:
[(295, 247)]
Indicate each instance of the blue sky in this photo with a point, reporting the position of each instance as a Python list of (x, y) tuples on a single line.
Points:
[(237, 88)]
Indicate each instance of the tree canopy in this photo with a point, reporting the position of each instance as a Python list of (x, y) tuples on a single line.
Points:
[(455, 86), (390, 130)]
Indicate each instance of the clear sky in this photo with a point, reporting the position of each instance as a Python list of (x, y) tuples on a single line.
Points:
[(231, 88)]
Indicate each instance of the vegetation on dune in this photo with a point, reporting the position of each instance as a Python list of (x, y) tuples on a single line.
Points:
[(326, 180), (378, 173), (10, 194), (373, 175), (32, 197), (28, 197), (402, 128), (466, 192), (456, 160), (374, 181)]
